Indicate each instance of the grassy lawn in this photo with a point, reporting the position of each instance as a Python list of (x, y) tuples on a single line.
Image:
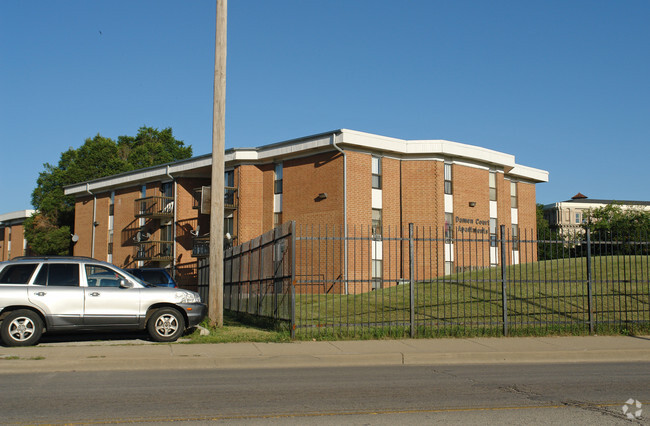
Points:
[(543, 297), (240, 329)]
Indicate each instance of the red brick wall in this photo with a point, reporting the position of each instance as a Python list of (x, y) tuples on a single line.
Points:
[(422, 194), (83, 225), (253, 202), (503, 209), (125, 226), (527, 221), (303, 180), (471, 185), (187, 220)]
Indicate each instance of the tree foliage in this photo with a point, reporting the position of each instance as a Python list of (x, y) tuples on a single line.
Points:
[(614, 221), (547, 246), (49, 232)]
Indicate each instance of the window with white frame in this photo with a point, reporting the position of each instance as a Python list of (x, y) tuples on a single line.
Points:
[(515, 237), (449, 227), (513, 195), (493, 186), (376, 223), (493, 232), (277, 186), (376, 172), (377, 266), (448, 186)]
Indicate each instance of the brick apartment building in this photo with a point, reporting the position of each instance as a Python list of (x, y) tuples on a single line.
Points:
[(342, 178), (12, 234)]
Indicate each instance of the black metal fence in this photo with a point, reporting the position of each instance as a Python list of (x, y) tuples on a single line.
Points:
[(425, 281)]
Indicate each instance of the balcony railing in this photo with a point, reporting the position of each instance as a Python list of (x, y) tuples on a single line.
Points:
[(229, 198), (154, 207), (156, 251), (201, 246)]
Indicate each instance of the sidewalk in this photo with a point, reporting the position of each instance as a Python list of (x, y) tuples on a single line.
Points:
[(125, 356)]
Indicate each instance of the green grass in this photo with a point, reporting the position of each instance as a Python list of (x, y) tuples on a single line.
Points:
[(544, 298), (547, 297), (241, 328)]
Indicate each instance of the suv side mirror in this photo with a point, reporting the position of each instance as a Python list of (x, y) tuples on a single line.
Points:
[(125, 284)]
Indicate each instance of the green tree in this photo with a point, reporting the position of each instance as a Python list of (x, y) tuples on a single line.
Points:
[(545, 248), (615, 224), (49, 231)]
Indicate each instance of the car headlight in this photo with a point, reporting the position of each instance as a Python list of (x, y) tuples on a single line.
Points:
[(188, 297)]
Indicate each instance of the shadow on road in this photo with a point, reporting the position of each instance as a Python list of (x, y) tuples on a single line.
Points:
[(134, 337)]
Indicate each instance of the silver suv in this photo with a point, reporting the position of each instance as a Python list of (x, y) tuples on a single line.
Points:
[(39, 294)]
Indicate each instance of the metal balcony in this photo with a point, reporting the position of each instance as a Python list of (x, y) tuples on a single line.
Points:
[(154, 251), (201, 246), (229, 198), (155, 207)]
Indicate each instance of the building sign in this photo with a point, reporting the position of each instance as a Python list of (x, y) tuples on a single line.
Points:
[(477, 226)]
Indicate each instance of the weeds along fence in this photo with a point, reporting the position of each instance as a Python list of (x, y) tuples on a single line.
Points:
[(420, 281)]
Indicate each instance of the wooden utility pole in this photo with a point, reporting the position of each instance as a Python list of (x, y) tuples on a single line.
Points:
[(215, 295)]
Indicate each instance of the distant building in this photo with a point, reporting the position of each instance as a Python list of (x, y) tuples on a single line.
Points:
[(344, 179), (568, 216), (12, 234)]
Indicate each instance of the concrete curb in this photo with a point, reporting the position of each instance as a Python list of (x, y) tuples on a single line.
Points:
[(110, 357)]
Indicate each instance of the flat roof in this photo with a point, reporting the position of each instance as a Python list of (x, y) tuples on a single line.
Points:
[(16, 216), (343, 138)]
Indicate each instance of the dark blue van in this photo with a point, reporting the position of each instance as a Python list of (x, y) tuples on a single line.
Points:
[(157, 276)]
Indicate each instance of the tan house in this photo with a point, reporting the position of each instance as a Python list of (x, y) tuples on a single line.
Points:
[(568, 216), (342, 178)]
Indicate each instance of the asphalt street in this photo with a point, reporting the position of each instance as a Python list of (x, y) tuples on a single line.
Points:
[(542, 393)]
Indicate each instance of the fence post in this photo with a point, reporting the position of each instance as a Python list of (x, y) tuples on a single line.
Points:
[(504, 281), (412, 281), (293, 279), (589, 289)]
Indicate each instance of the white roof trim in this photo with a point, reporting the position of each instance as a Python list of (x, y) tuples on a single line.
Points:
[(17, 215), (351, 138)]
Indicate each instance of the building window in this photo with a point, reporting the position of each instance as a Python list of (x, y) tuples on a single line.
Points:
[(515, 237), (513, 195), (376, 223), (449, 267), (277, 188), (493, 186), (578, 218), (229, 178), (277, 219), (449, 227), (377, 266), (167, 189), (448, 187), (376, 172), (493, 232)]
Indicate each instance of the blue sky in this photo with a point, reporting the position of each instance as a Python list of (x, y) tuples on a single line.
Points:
[(562, 85)]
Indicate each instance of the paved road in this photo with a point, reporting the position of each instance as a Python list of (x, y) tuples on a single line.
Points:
[(590, 393)]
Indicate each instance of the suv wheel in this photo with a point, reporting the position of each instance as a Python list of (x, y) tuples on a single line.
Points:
[(21, 328), (166, 325)]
